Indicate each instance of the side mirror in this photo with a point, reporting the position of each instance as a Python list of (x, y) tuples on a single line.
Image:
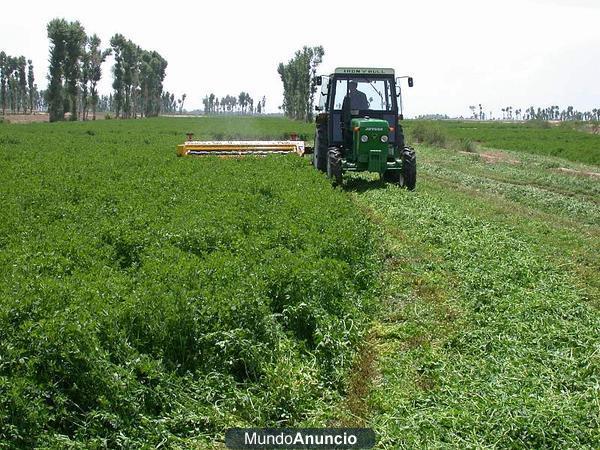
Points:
[(411, 83), (319, 80), (400, 116)]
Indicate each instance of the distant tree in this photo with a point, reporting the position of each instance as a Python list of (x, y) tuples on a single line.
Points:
[(242, 101), (211, 103), (3, 80), (117, 43), (75, 40), (40, 99), (298, 77), (129, 54), (84, 80), (66, 46), (181, 102), (31, 85), (151, 76), (57, 33), (473, 114), (12, 83), (96, 56), (22, 84)]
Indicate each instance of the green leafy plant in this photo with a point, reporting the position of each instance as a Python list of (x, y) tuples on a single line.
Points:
[(146, 298)]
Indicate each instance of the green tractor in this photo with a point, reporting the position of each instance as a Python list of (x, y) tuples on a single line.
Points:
[(358, 126)]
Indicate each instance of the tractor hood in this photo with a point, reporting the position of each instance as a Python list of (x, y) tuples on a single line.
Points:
[(373, 128), (370, 143)]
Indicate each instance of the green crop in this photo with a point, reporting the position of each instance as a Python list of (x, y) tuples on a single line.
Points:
[(147, 299), (565, 140)]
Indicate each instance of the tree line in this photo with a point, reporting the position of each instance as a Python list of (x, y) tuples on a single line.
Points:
[(138, 79), (299, 86), (18, 91), (553, 112), (76, 68), (168, 103), (230, 104)]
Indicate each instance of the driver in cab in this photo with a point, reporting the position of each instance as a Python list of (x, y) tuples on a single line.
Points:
[(357, 99)]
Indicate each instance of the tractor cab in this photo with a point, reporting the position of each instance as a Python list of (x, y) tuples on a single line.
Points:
[(358, 128), (345, 96)]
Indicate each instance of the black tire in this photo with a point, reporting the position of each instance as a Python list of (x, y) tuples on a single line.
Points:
[(409, 168), (407, 177), (334, 165), (320, 150)]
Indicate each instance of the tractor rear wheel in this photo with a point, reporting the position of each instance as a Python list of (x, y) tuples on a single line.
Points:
[(409, 168), (334, 165), (320, 150)]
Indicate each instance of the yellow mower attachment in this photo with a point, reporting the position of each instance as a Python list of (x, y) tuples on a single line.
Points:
[(238, 148)]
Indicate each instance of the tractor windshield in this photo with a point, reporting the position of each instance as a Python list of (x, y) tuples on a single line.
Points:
[(364, 94)]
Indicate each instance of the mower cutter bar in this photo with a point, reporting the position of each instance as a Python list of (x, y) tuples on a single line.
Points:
[(236, 153), (239, 148)]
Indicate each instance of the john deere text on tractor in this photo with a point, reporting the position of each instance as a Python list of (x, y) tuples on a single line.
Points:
[(357, 128)]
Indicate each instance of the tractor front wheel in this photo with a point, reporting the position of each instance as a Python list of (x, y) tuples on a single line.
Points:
[(334, 165), (407, 176)]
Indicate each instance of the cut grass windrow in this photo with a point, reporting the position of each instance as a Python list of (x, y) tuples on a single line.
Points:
[(491, 335)]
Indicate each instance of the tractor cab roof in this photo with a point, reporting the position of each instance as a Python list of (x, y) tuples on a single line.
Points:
[(363, 71)]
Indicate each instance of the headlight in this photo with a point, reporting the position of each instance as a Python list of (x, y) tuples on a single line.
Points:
[(384, 138), (364, 138)]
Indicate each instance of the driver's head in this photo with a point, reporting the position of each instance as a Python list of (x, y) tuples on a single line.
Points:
[(352, 85)]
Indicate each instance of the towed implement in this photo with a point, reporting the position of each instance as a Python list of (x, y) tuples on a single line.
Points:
[(239, 148)]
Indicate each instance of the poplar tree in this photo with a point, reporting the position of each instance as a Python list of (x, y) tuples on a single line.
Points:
[(3, 80), (75, 40), (298, 77), (57, 32), (96, 57), (116, 43), (22, 84), (31, 85)]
